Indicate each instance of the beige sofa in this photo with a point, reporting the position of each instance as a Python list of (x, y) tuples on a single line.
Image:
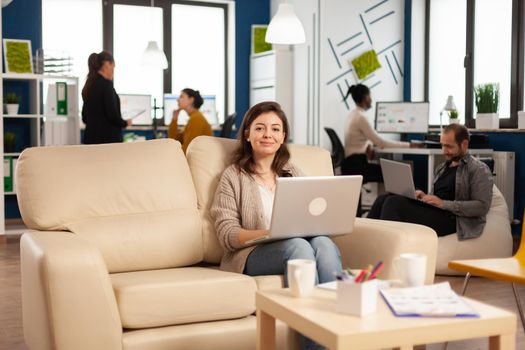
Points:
[(125, 256)]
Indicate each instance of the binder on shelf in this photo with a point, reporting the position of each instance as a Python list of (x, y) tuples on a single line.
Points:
[(15, 160), (8, 174), (51, 106), (61, 95)]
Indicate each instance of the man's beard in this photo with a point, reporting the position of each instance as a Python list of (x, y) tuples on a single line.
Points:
[(456, 157)]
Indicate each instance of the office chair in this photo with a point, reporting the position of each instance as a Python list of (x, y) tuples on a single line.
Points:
[(227, 127), (503, 269), (338, 150)]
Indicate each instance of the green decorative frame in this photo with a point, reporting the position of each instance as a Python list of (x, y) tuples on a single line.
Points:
[(18, 56), (259, 43), (365, 64)]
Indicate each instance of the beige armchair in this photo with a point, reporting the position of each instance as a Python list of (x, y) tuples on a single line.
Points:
[(123, 254)]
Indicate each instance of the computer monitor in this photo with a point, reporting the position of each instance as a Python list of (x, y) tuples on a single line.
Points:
[(402, 117), (208, 109), (137, 108)]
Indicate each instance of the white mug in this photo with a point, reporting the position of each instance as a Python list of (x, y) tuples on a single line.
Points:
[(412, 268), (301, 276)]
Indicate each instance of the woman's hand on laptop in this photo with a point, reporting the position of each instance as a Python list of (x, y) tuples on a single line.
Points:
[(249, 237), (420, 194), (434, 200)]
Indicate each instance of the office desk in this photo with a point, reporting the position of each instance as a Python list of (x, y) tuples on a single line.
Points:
[(431, 154)]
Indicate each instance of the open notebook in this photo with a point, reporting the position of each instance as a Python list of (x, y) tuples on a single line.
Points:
[(437, 300)]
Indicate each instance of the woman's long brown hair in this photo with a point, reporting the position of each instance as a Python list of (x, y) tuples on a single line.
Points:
[(95, 63), (243, 156)]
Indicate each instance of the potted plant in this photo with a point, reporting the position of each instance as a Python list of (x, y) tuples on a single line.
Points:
[(12, 103), (9, 142), (453, 117), (487, 103)]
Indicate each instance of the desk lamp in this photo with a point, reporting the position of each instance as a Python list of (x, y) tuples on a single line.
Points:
[(449, 106)]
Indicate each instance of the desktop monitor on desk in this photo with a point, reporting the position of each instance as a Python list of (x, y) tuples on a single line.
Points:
[(137, 108), (208, 109), (402, 117)]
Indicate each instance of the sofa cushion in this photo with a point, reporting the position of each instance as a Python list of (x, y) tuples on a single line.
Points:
[(184, 295), (494, 242), (209, 156), (269, 282), (135, 201)]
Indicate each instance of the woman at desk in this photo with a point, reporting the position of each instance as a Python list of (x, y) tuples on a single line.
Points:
[(360, 138), (101, 109), (190, 101)]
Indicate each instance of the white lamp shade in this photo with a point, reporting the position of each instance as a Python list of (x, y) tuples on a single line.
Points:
[(450, 105), (154, 57), (285, 28)]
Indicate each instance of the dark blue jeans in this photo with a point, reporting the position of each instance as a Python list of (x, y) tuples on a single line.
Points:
[(272, 258)]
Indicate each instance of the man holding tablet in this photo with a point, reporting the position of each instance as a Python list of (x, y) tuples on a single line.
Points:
[(461, 195)]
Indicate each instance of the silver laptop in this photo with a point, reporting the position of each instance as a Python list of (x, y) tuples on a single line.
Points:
[(312, 206), (398, 179)]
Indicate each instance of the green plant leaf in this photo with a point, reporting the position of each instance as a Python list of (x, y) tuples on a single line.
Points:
[(486, 98)]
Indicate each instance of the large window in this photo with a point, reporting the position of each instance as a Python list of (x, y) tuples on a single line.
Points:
[(447, 40), (492, 48), (198, 54), (473, 42), (192, 34), (133, 27), (77, 34)]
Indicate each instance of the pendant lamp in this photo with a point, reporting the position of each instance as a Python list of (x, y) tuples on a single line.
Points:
[(285, 28)]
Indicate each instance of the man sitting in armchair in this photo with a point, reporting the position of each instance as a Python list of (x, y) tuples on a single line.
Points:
[(461, 198)]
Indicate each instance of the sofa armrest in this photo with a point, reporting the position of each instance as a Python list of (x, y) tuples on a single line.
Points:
[(375, 240), (67, 298)]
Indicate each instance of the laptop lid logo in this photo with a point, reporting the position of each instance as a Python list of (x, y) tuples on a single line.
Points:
[(317, 206)]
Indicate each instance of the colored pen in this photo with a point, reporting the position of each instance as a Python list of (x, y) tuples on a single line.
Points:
[(360, 276), (376, 270)]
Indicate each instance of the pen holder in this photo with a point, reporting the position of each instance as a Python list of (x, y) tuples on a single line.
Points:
[(356, 299)]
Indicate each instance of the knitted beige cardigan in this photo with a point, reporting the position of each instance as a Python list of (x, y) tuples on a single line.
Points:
[(237, 204)]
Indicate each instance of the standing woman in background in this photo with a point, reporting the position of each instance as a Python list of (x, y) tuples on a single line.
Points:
[(101, 109), (360, 137), (190, 101)]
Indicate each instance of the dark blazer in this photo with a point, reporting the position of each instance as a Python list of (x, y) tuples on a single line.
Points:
[(101, 113)]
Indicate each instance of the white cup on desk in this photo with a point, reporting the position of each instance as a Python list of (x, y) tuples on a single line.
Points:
[(301, 276), (411, 268)]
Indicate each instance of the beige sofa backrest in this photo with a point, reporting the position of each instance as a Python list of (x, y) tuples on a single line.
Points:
[(135, 202), (209, 156)]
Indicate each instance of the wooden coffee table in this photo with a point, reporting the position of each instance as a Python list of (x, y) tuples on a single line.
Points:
[(315, 317)]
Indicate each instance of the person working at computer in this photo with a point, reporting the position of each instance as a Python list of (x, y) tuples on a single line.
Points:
[(242, 207), (360, 138), (461, 198), (101, 109), (190, 101)]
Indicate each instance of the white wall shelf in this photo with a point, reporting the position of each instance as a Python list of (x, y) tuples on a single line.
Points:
[(22, 116), (28, 76), (44, 129)]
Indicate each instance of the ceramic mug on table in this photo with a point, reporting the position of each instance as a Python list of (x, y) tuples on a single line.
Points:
[(412, 268), (301, 276)]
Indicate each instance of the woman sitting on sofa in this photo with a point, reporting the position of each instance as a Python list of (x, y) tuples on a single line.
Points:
[(242, 207)]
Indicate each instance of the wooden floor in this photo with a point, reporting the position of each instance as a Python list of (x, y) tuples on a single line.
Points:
[(11, 336)]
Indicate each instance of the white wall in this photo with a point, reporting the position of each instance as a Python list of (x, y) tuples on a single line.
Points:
[(337, 31)]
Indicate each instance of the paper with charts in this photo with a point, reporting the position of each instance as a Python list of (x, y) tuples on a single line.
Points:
[(437, 300)]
